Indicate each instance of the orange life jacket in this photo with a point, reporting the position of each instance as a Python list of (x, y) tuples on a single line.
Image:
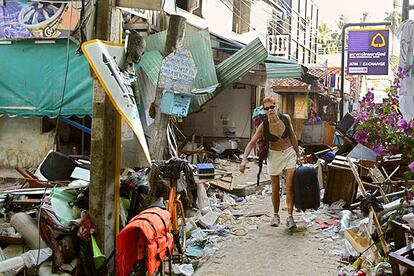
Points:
[(149, 230)]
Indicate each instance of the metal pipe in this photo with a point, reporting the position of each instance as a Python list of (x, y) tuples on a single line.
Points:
[(341, 103)]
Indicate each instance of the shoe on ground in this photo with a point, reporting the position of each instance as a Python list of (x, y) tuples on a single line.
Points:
[(275, 220), (290, 223)]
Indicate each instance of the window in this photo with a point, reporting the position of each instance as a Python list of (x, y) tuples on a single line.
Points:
[(241, 16), (192, 6)]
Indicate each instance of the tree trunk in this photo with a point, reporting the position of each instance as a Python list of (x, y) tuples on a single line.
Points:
[(158, 142)]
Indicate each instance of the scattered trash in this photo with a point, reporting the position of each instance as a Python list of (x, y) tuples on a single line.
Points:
[(185, 269), (345, 216), (195, 251), (209, 219)]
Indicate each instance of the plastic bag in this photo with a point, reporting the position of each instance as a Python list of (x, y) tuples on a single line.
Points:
[(337, 206), (346, 216), (203, 202)]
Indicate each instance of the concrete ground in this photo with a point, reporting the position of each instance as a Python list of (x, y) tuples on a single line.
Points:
[(273, 250)]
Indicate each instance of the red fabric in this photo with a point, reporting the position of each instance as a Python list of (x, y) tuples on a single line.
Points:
[(144, 231)]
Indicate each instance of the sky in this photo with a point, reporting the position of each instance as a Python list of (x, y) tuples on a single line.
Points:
[(331, 10)]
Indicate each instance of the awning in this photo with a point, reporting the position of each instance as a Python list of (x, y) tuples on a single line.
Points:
[(283, 70), (32, 80)]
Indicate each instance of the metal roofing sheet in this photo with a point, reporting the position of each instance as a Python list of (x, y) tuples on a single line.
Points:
[(199, 45), (232, 69), (283, 70)]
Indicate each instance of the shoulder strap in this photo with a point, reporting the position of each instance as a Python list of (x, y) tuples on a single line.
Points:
[(285, 120), (266, 134), (263, 155)]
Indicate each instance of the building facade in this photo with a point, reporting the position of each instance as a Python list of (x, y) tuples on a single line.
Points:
[(289, 28)]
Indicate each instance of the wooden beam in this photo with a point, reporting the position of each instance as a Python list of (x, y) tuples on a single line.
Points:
[(371, 209)]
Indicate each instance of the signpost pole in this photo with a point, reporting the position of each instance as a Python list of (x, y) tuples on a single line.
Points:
[(158, 141), (105, 145), (341, 103)]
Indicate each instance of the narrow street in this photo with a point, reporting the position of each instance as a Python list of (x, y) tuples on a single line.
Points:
[(141, 135), (273, 250)]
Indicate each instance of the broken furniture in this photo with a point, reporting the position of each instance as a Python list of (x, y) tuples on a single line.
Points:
[(403, 257), (320, 133), (371, 209), (59, 166), (341, 183), (32, 180)]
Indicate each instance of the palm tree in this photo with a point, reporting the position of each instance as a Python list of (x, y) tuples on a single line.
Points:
[(342, 21), (364, 17), (324, 33), (394, 17), (336, 35)]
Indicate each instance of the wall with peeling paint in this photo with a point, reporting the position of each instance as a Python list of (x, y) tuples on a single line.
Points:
[(22, 143)]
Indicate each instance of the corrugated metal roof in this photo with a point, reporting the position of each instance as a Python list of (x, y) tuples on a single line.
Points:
[(232, 69), (271, 58), (156, 42), (151, 64), (240, 63), (198, 44), (283, 70)]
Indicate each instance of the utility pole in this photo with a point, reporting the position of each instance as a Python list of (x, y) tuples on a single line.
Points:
[(105, 144), (158, 142), (405, 9)]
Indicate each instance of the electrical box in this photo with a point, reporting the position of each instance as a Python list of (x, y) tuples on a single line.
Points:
[(176, 104)]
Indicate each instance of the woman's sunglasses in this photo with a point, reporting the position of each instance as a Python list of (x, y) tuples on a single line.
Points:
[(270, 107)]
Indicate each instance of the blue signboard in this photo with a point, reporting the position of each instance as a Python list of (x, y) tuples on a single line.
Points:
[(368, 52)]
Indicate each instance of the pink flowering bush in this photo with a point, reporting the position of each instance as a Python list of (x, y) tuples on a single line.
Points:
[(381, 126)]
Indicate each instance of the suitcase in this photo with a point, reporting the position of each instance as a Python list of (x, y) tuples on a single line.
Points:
[(306, 188)]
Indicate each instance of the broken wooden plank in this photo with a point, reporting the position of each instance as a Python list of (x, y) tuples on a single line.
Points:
[(371, 209), (399, 193), (11, 240), (376, 175), (218, 183), (379, 188), (241, 213), (29, 201)]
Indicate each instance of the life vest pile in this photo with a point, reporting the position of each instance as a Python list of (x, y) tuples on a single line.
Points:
[(148, 232)]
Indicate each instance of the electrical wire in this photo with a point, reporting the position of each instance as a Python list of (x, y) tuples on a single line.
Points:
[(57, 129), (287, 9), (273, 23), (248, 23), (290, 56)]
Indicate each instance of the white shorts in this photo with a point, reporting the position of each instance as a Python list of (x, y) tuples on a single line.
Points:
[(278, 161)]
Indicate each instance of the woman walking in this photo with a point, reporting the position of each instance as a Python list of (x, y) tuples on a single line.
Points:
[(282, 155)]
